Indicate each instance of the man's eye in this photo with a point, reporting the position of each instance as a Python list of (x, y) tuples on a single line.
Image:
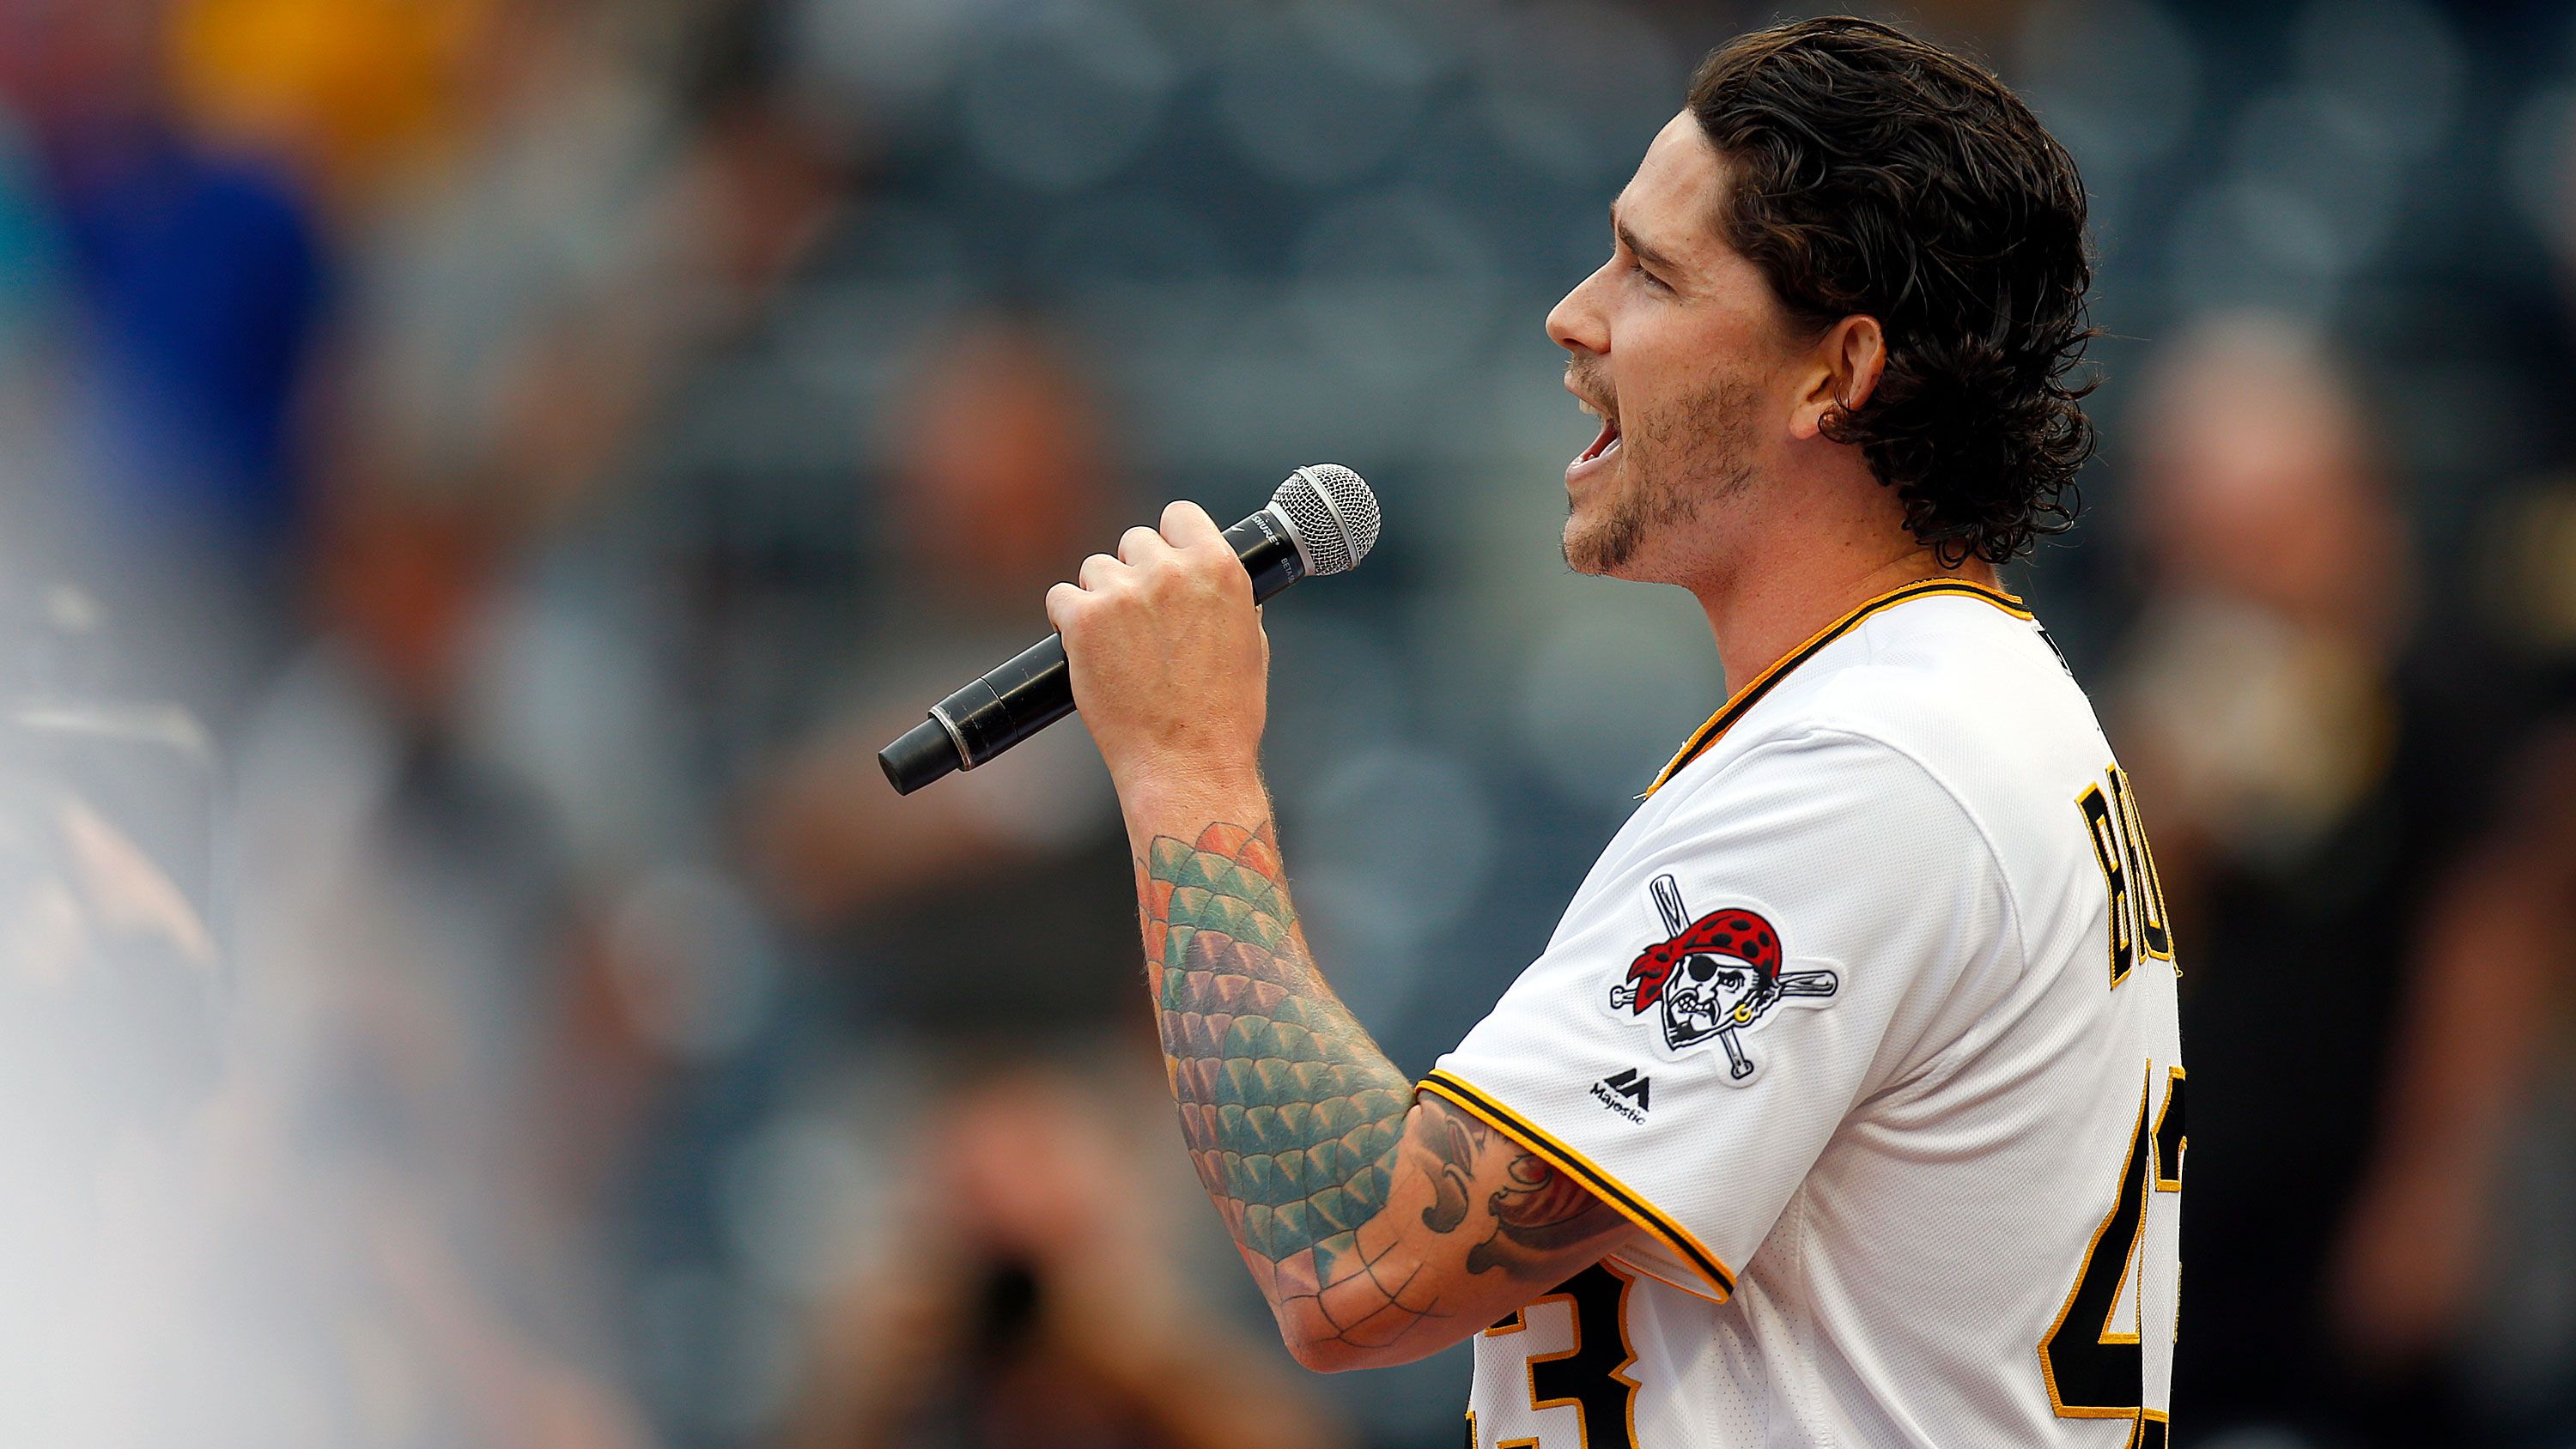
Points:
[(1650, 278)]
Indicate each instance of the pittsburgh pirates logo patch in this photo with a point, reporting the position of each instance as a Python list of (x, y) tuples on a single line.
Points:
[(1718, 976)]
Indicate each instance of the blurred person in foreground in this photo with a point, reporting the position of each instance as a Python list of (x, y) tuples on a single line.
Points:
[(1000, 1312), (1031, 1300), (414, 972), (117, 1235), (1846, 1104), (233, 1208), (2361, 1002)]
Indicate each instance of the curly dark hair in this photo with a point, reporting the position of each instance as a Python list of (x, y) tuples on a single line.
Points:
[(1873, 173)]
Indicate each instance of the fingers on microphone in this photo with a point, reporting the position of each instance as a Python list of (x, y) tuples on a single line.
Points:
[(1098, 569), (1060, 601), (1188, 526), (1140, 543)]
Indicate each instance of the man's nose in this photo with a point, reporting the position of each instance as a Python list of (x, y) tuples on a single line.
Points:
[(1575, 323)]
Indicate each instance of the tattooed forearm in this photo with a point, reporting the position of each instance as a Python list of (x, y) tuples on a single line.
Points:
[(1363, 1215), (1291, 1113)]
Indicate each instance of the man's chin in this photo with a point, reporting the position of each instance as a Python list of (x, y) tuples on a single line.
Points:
[(1577, 547), (1597, 550)]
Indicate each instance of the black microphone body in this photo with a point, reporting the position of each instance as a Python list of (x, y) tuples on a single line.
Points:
[(1034, 688)]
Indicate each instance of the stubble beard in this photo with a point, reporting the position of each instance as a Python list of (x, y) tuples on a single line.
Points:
[(1670, 467)]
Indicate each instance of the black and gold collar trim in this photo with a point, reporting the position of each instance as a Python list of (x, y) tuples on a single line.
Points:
[(1761, 684)]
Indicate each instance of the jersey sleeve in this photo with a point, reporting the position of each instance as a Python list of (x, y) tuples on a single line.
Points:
[(1731, 981)]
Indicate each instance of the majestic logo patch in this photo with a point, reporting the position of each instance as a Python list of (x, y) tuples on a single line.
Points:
[(1717, 976), (1626, 1093)]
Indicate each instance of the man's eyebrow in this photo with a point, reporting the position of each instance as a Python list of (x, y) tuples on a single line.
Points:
[(1651, 256)]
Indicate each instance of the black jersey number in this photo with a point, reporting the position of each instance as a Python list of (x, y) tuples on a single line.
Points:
[(2094, 1367), (1591, 1377)]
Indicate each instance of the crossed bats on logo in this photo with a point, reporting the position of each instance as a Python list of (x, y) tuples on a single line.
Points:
[(1714, 976)]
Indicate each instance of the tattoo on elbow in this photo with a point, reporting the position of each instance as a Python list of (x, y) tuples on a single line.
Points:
[(1547, 1212), (1536, 1212), (1453, 1165)]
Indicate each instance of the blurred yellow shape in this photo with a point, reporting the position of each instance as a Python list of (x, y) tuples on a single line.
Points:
[(355, 87)]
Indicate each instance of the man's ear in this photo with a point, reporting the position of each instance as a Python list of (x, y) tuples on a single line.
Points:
[(1846, 365)]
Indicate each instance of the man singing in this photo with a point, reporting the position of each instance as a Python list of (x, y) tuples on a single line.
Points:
[(1845, 1105)]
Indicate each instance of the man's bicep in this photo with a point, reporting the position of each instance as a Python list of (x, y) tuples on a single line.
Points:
[(1475, 1225)]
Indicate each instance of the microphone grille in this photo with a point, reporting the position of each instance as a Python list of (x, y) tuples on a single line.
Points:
[(1334, 514)]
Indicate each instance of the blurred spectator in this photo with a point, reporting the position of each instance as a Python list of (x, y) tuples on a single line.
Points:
[(529, 298), (201, 274), (1000, 489), (1028, 1296), (198, 279), (2452, 1255), (988, 1316), (2313, 761)]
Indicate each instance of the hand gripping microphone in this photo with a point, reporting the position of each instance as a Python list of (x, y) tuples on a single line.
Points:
[(1323, 520)]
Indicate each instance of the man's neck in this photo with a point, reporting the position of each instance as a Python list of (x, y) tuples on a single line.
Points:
[(1760, 614)]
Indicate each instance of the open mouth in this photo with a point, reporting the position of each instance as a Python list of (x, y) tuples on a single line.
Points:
[(1605, 444)]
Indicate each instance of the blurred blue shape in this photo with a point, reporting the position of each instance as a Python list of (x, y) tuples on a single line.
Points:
[(203, 279)]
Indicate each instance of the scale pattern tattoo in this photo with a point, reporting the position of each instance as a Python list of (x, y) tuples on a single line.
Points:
[(1292, 1115), (1297, 1121)]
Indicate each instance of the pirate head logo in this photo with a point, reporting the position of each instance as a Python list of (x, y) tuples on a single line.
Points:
[(1714, 977)]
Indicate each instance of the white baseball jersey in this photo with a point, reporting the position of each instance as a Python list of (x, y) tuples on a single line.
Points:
[(1866, 1018)]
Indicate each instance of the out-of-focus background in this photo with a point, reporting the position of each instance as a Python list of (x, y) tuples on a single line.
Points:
[(479, 479)]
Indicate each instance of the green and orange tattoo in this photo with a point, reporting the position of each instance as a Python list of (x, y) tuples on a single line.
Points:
[(1298, 1123)]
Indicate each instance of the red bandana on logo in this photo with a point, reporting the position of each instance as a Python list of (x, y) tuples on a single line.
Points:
[(1737, 933)]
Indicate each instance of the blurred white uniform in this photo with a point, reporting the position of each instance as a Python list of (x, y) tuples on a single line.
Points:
[(1867, 1019)]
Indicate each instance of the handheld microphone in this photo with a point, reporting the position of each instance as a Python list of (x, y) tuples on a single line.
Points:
[(1323, 520)]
